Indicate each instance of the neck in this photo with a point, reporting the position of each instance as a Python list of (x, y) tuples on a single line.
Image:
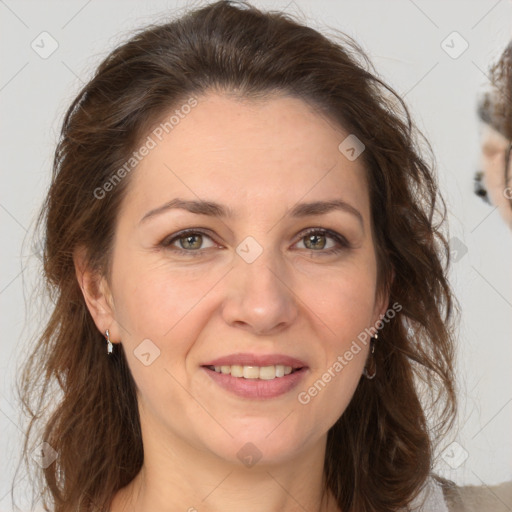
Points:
[(177, 476)]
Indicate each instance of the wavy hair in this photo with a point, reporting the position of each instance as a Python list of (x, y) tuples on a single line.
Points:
[(495, 106), (381, 450)]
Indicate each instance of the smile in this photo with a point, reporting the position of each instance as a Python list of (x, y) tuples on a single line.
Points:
[(256, 382)]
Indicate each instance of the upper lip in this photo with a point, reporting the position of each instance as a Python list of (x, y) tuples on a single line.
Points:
[(246, 359)]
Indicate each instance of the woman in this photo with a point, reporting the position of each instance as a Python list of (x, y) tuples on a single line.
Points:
[(243, 244)]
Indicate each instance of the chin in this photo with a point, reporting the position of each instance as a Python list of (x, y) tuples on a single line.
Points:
[(259, 445)]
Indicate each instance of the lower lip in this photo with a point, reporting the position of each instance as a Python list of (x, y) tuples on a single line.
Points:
[(257, 388)]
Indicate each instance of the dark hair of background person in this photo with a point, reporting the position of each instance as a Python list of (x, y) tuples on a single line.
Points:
[(381, 450), (495, 106)]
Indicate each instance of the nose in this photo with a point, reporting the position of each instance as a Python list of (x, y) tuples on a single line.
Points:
[(259, 296)]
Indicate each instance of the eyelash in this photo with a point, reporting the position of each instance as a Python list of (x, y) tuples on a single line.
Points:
[(342, 242)]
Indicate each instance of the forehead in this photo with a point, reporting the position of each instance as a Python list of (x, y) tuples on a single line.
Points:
[(274, 150)]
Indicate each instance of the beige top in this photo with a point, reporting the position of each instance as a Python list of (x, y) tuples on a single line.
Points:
[(441, 495), (478, 498)]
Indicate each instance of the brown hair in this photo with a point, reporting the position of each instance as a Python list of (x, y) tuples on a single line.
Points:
[(380, 451), (495, 106)]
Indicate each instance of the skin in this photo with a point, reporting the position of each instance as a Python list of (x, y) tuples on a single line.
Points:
[(494, 146), (259, 158)]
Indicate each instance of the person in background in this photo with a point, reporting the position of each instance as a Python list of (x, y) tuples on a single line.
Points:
[(494, 181)]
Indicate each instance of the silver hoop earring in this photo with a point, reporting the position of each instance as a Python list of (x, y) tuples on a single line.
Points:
[(370, 370), (109, 343)]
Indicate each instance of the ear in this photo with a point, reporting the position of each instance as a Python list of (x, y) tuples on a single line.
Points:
[(97, 295)]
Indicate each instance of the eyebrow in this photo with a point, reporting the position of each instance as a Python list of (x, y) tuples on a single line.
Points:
[(198, 207), (213, 209), (323, 207)]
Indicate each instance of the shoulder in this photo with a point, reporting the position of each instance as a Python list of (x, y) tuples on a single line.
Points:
[(476, 498)]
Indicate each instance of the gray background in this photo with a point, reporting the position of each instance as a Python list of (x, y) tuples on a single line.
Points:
[(403, 39)]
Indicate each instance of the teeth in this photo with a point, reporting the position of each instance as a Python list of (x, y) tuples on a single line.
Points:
[(267, 372), (251, 372), (254, 372), (237, 371)]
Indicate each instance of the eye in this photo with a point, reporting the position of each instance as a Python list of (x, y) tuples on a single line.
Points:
[(188, 241), (323, 240)]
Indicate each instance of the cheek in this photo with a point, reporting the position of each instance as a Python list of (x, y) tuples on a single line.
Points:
[(155, 298), (344, 307), (490, 168), (170, 308), (494, 182), (162, 313), (494, 175), (344, 300)]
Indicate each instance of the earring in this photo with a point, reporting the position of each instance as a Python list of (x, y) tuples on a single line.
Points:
[(109, 343), (371, 369)]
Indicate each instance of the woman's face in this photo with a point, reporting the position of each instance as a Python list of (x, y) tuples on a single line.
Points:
[(255, 282), (494, 147)]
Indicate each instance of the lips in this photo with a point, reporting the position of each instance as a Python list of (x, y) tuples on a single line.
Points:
[(256, 376)]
